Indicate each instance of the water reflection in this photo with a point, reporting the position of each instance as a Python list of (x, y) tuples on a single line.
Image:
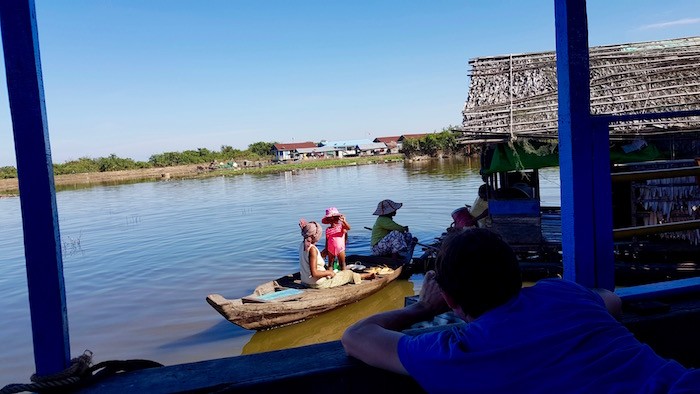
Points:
[(331, 325), (447, 168)]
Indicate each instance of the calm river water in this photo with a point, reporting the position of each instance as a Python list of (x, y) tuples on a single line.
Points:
[(139, 259)]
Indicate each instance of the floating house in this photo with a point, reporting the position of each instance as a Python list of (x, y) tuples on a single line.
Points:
[(512, 112)]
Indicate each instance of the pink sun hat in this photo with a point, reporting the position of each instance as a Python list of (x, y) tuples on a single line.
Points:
[(330, 212)]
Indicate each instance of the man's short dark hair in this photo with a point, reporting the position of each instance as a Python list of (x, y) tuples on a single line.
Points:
[(478, 269)]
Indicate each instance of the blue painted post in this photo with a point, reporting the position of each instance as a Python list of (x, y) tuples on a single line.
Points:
[(604, 262), (42, 244), (582, 209)]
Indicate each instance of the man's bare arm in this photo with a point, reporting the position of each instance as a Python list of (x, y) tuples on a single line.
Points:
[(375, 339), (612, 301)]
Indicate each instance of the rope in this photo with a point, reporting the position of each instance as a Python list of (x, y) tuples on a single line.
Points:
[(78, 367), (79, 372)]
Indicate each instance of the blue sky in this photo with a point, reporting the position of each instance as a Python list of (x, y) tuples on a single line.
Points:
[(135, 77)]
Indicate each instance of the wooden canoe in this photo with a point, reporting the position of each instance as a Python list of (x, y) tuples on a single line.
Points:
[(286, 300)]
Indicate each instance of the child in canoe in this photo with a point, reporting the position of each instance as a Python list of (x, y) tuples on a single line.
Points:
[(336, 236), (313, 273)]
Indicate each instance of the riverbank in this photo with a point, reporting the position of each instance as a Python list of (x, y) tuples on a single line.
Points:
[(9, 187)]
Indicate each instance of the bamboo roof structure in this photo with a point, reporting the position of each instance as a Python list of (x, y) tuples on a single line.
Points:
[(515, 96)]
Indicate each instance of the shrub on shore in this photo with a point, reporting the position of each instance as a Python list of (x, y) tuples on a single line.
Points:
[(8, 172), (100, 164), (204, 155), (435, 144)]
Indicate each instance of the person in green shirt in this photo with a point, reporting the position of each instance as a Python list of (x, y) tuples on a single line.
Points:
[(388, 237)]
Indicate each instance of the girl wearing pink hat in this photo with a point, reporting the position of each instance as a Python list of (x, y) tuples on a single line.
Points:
[(336, 236)]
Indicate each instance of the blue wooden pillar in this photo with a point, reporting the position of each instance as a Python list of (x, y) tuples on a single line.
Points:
[(586, 205), (42, 244)]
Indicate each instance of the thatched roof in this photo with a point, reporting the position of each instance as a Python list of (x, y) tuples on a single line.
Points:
[(516, 95)]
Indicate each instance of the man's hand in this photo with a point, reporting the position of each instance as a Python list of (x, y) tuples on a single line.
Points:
[(431, 295), (375, 339)]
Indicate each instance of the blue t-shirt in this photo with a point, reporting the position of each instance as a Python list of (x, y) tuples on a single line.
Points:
[(555, 337)]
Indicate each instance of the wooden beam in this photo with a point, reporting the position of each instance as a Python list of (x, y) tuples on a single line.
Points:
[(627, 232), (655, 174), (609, 118), (42, 244), (661, 289)]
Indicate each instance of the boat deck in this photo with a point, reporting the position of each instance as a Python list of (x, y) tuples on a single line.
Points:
[(551, 227), (670, 331)]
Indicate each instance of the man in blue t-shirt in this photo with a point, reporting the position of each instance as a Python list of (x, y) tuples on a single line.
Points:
[(553, 337)]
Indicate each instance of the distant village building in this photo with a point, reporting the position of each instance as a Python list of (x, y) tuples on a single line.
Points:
[(371, 149), (346, 148), (392, 143), (343, 148), (317, 152), (289, 151)]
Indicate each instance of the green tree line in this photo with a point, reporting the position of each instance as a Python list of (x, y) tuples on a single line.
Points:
[(434, 144), (256, 151)]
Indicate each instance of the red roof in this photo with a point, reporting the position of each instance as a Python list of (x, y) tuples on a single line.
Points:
[(387, 139), (407, 136), (295, 145)]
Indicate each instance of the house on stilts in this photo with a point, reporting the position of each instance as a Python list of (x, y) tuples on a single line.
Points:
[(511, 113)]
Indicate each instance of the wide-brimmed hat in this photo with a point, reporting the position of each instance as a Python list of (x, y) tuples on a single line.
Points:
[(330, 212), (386, 207)]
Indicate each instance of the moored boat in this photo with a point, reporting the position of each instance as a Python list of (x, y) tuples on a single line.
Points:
[(286, 300)]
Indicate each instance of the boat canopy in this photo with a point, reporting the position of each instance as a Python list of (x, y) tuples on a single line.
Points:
[(503, 157)]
